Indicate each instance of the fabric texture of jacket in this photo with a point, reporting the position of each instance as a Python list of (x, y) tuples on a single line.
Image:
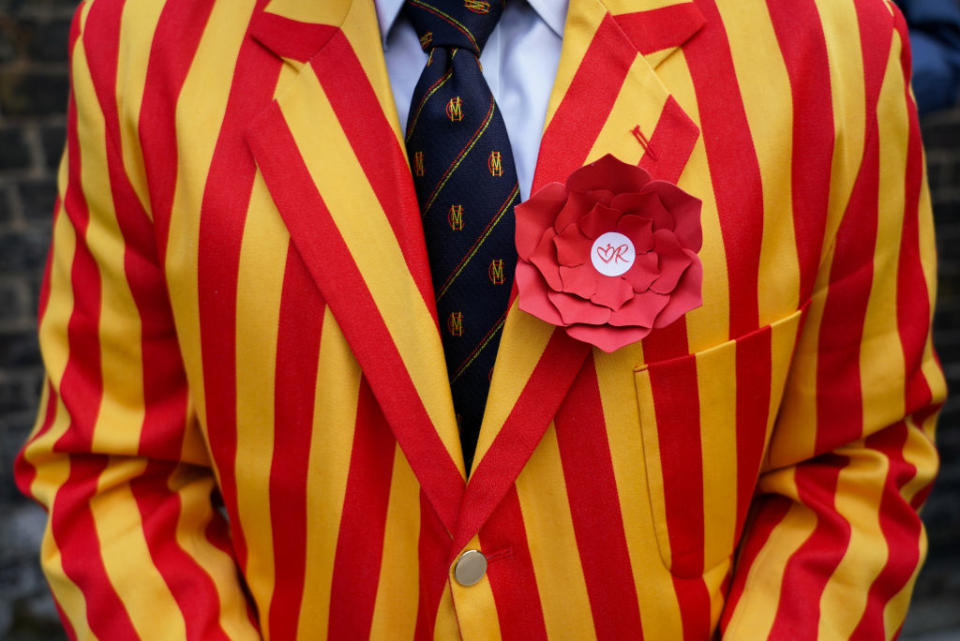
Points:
[(247, 429)]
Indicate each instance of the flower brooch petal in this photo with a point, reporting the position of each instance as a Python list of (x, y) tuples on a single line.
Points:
[(609, 255)]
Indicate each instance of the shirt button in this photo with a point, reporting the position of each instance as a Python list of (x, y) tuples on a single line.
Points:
[(470, 567)]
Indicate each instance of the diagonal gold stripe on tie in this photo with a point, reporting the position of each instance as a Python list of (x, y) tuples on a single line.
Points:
[(453, 22), (461, 155), (479, 242), (442, 80), (479, 348)]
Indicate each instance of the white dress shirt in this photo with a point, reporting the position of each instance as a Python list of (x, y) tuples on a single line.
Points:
[(519, 63)]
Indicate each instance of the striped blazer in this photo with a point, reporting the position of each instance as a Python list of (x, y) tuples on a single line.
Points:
[(247, 430)]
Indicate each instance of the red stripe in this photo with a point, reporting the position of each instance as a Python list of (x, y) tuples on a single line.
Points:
[(839, 404), (913, 297), (804, 52), (811, 566), (175, 41), (76, 536), (586, 105), (675, 396), (664, 156), (164, 381), (901, 528), (192, 588), (298, 351), (770, 511), (661, 28), (694, 600), (432, 551), (222, 216), (290, 38), (753, 364), (384, 164), (71, 520), (595, 508), (839, 400), (24, 472), (330, 263), (543, 393), (734, 169), (356, 568), (504, 540)]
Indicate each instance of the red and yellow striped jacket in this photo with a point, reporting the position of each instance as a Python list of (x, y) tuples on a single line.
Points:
[(238, 306)]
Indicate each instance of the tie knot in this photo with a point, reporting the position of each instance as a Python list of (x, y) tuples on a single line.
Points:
[(465, 24)]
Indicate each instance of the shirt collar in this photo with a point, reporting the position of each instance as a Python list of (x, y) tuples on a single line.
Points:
[(552, 12)]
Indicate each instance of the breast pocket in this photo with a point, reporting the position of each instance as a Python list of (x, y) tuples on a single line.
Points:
[(705, 420)]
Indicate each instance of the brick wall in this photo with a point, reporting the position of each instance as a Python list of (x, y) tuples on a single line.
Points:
[(33, 88)]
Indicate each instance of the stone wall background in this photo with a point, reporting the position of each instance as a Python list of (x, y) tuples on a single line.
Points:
[(33, 89)]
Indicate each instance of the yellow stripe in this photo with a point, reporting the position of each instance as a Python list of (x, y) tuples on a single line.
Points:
[(53, 469), (649, 430), (765, 88), (757, 608), (474, 605), (126, 558), (199, 115), (361, 28), (53, 325), (849, 104), (583, 18), (716, 370), (193, 489), (860, 484), (714, 579), (882, 381), (260, 273), (640, 504), (446, 626), (709, 324), (860, 487), (794, 437), (331, 444), (137, 25), (639, 102), (395, 610), (375, 250), (119, 329), (114, 509), (521, 345), (553, 545), (67, 595)]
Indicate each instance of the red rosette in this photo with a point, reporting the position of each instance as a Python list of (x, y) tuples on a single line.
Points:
[(610, 255)]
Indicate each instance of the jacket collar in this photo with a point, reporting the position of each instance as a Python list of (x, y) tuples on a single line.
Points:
[(334, 123)]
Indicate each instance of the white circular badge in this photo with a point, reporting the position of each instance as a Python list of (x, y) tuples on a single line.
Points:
[(612, 254)]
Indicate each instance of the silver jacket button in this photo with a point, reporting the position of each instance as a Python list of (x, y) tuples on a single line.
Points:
[(470, 567)]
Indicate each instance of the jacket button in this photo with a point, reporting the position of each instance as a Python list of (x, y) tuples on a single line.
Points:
[(470, 567)]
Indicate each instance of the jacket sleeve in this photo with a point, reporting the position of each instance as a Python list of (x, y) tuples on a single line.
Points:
[(834, 541), (134, 547)]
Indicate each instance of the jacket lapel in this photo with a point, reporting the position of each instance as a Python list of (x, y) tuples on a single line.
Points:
[(330, 151), (607, 98)]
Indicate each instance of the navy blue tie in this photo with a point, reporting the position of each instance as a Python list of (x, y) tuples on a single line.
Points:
[(466, 185)]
